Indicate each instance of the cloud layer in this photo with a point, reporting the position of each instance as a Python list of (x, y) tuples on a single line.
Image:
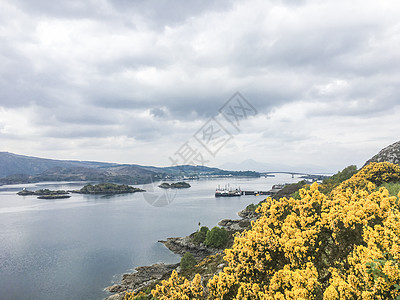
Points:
[(131, 81)]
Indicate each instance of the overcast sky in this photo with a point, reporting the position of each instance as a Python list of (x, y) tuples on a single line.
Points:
[(136, 81)]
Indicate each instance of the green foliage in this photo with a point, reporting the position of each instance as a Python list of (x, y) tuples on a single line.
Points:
[(375, 269), (217, 237), (204, 229), (200, 236), (141, 297), (343, 175), (132, 296), (330, 183), (252, 207), (289, 189), (392, 187), (296, 195), (188, 261)]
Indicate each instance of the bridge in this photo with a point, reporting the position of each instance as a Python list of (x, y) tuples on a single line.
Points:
[(265, 174)]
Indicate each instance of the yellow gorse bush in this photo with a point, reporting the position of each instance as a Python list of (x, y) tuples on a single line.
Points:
[(179, 288), (345, 245)]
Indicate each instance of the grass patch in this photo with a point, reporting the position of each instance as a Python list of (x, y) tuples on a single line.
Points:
[(393, 188), (206, 268)]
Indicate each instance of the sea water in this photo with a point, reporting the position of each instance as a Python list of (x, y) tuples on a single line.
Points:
[(73, 248)]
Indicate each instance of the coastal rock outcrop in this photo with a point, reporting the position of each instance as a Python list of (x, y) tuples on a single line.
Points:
[(181, 245), (141, 278), (234, 225), (247, 214)]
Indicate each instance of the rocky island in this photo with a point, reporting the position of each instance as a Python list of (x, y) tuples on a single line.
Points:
[(45, 194), (108, 189), (175, 185)]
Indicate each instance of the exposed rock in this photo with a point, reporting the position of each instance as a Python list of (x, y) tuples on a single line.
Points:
[(181, 245), (235, 225), (116, 288), (141, 278), (390, 154), (119, 296), (247, 214)]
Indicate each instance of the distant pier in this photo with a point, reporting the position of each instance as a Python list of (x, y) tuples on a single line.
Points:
[(275, 188)]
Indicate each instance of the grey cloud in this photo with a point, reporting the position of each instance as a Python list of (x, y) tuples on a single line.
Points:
[(62, 9), (97, 87), (160, 13), (79, 132), (156, 13), (159, 112)]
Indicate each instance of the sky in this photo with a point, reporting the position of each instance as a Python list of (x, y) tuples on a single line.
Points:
[(151, 82)]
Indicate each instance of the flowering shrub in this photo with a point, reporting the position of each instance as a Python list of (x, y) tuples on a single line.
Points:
[(344, 245), (179, 288)]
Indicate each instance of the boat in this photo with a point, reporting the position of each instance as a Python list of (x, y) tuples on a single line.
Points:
[(227, 192)]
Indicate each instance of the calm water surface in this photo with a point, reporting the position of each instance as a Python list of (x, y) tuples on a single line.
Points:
[(73, 248)]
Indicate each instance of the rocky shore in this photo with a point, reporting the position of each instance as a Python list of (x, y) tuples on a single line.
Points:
[(140, 279), (181, 245), (144, 277)]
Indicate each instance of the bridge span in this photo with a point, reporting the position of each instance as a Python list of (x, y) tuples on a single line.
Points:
[(265, 174)]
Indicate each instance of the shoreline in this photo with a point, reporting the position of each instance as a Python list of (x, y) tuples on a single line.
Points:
[(144, 276)]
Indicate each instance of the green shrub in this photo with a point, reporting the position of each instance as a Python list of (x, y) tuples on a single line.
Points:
[(200, 236), (204, 229), (392, 187), (216, 237), (188, 261), (252, 207), (330, 183)]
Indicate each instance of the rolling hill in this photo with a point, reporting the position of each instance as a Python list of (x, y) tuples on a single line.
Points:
[(16, 168)]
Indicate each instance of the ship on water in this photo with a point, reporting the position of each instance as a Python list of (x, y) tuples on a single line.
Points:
[(227, 191)]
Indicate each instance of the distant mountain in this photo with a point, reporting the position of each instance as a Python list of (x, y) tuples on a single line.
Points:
[(250, 164), (11, 164), (16, 168), (390, 153)]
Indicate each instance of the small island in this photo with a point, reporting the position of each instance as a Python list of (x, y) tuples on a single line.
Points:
[(51, 197), (175, 185), (45, 194), (108, 189)]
